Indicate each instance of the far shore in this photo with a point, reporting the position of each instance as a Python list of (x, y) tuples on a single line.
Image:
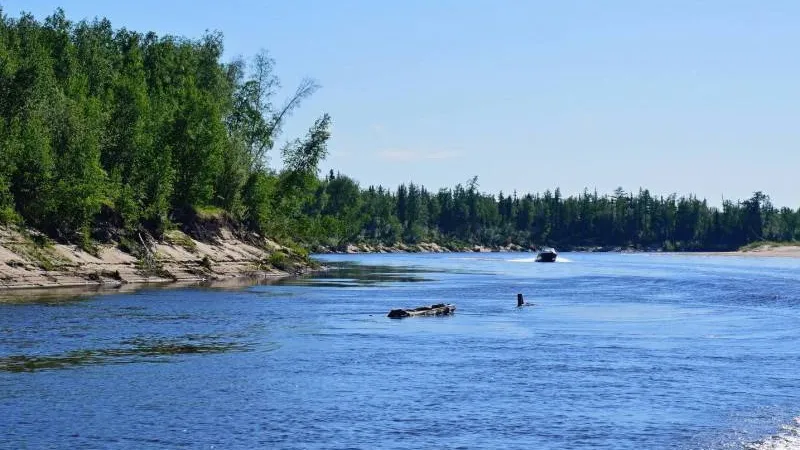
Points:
[(766, 250)]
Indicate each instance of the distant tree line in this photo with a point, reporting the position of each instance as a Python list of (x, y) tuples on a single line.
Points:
[(464, 215), (107, 131)]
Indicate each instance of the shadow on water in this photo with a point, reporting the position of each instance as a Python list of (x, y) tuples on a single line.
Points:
[(337, 274), (54, 296), (130, 351)]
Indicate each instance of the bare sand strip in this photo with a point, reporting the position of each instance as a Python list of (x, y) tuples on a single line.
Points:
[(767, 250), (26, 265), (790, 251)]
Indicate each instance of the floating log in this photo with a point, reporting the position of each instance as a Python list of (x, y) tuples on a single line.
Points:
[(440, 309)]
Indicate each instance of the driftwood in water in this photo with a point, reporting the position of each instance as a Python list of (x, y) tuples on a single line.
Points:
[(440, 309)]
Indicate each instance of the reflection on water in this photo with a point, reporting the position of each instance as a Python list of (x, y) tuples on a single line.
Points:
[(337, 274), (57, 296)]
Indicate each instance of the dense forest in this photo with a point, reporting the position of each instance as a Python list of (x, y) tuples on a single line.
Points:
[(106, 132), (464, 215), (103, 128)]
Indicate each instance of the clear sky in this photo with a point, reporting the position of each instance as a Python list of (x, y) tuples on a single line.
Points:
[(676, 96)]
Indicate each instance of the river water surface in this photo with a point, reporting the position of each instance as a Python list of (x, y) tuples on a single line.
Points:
[(620, 351)]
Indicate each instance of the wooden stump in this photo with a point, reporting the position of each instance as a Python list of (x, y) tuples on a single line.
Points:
[(440, 309)]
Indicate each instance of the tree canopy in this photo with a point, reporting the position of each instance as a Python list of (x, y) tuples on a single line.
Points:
[(464, 215), (101, 126), (104, 128)]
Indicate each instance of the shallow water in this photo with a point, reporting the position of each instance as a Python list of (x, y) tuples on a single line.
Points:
[(620, 351)]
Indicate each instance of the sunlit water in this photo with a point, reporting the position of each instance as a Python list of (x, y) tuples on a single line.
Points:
[(620, 351)]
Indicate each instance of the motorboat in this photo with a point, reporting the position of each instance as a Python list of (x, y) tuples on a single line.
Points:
[(546, 254)]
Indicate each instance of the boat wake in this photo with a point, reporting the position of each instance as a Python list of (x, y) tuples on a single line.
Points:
[(522, 260), (787, 439), (560, 259)]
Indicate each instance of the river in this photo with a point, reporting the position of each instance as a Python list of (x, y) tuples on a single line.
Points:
[(614, 351)]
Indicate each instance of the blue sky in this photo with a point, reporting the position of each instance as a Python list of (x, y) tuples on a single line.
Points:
[(676, 96)]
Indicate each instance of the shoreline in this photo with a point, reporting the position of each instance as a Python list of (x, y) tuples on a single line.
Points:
[(766, 250), (779, 251), (183, 261), (422, 247), (58, 294), (28, 262)]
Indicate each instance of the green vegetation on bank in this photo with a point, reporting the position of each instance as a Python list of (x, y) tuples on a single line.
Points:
[(104, 129), (108, 133)]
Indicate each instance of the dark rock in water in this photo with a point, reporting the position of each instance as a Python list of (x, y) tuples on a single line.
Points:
[(440, 309)]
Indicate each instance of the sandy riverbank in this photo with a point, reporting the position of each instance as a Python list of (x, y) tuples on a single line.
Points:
[(422, 247), (28, 264), (767, 250), (771, 251)]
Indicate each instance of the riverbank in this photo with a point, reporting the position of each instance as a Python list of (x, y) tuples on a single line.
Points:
[(30, 261), (422, 247), (763, 250), (432, 247)]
